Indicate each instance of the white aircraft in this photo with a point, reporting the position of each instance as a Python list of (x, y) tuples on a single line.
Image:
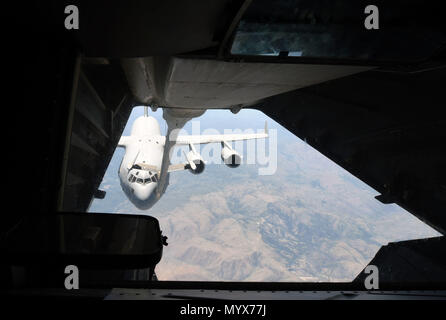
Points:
[(144, 175)]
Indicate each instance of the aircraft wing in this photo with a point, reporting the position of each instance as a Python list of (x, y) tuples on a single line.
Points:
[(177, 167), (172, 167), (201, 139), (198, 139)]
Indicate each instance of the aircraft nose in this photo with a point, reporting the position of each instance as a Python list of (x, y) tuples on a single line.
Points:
[(144, 192)]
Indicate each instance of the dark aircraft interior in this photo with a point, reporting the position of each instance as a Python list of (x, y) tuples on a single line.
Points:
[(372, 101)]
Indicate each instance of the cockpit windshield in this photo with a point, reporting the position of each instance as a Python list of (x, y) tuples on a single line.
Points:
[(144, 181)]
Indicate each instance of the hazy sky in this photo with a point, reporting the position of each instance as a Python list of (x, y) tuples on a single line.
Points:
[(214, 119)]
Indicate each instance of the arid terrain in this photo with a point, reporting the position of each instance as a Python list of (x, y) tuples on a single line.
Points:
[(310, 221)]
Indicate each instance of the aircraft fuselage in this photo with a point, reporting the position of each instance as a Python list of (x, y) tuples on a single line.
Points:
[(143, 150)]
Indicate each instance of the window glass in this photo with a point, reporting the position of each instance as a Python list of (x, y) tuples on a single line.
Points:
[(335, 30)]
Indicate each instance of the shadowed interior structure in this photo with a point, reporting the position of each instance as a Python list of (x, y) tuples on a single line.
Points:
[(380, 117)]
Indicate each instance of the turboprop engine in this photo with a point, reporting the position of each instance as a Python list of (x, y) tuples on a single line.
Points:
[(229, 156)]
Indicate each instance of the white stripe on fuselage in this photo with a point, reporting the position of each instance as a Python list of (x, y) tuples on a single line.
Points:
[(145, 145)]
